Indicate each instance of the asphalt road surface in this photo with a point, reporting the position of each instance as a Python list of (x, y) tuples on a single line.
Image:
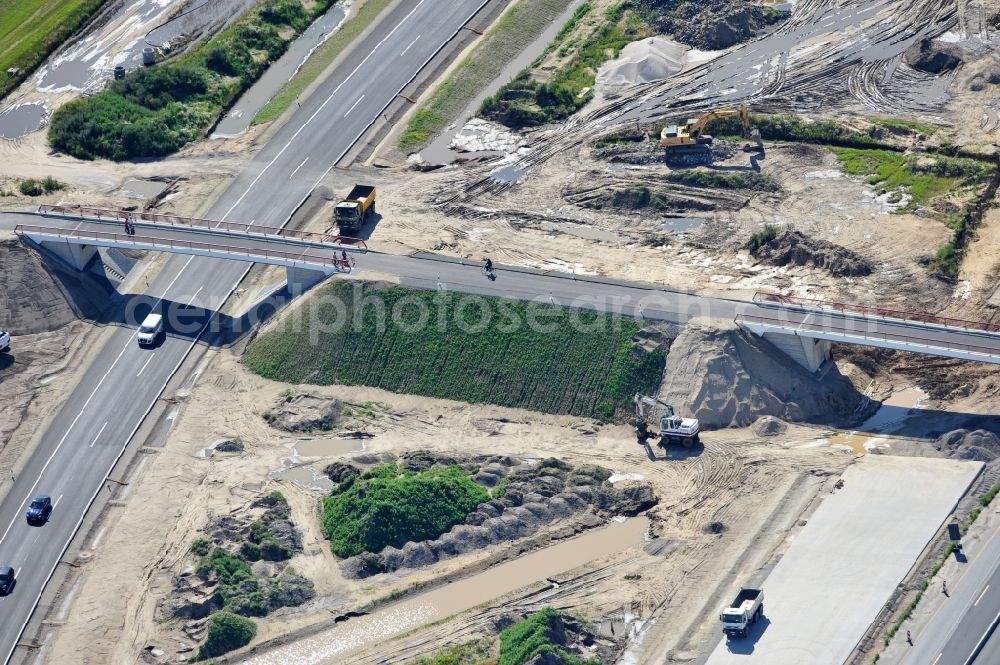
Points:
[(965, 617), (88, 435)]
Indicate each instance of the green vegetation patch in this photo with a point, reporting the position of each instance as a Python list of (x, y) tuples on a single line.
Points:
[(922, 177), (542, 632), (527, 102), (226, 631), (474, 652), (390, 505), (47, 185), (796, 129), (906, 126), (469, 348), (750, 180), (321, 58), (515, 30), (32, 29), (156, 111), (762, 237)]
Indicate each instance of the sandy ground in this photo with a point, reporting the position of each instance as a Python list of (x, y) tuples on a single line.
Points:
[(737, 481)]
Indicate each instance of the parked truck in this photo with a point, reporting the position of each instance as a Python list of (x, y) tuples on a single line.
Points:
[(352, 212), (743, 612)]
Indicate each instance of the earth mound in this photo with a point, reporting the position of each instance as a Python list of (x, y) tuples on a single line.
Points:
[(980, 445), (643, 61), (792, 247), (729, 378), (712, 24), (932, 56), (304, 413)]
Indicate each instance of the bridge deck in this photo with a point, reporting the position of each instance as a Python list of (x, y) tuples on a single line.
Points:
[(255, 249), (74, 214), (921, 333)]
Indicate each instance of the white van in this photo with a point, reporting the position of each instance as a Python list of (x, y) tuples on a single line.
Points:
[(4, 340), (150, 330)]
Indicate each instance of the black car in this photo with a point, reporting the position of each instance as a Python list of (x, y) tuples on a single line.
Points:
[(39, 510), (6, 580)]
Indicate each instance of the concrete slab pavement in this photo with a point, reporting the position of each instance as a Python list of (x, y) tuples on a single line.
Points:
[(857, 546)]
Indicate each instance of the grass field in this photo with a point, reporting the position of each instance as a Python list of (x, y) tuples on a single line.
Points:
[(458, 347), (922, 179), (321, 58), (31, 29), (515, 30)]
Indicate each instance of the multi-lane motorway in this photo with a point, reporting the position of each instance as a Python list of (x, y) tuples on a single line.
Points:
[(89, 434)]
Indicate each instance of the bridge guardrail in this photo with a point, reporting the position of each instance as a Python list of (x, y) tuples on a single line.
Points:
[(356, 244), (868, 334), (167, 243), (765, 297)]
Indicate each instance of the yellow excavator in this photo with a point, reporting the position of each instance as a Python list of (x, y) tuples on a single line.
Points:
[(690, 146)]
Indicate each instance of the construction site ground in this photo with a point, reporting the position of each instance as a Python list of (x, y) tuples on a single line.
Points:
[(726, 511)]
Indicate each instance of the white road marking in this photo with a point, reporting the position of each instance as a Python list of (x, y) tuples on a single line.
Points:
[(354, 105), (98, 435), (195, 295), (321, 107), (66, 435), (300, 166), (408, 47), (981, 595), (938, 658), (17, 574), (57, 502), (146, 364)]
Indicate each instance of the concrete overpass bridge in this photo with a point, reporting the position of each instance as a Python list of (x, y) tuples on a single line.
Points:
[(804, 328), (75, 232)]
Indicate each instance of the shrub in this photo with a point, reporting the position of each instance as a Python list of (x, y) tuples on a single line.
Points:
[(536, 635), (250, 551), (390, 505), (200, 546), (31, 187), (50, 184), (230, 569), (272, 550), (762, 237), (226, 631)]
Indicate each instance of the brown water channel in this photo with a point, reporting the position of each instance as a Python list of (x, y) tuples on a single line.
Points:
[(330, 646)]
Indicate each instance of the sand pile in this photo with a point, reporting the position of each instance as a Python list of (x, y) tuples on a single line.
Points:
[(980, 445), (644, 61), (30, 300), (728, 378)]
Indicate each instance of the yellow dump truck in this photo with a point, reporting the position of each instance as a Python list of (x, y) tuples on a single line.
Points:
[(352, 212)]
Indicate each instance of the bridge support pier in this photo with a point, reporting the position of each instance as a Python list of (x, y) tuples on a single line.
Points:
[(806, 351), (76, 255), (299, 279)]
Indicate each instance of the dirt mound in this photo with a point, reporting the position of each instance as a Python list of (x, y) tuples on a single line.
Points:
[(711, 24), (769, 426), (932, 56), (792, 247), (304, 413), (729, 378), (981, 445), (30, 299)]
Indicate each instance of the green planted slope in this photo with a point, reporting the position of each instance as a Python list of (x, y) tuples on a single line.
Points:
[(467, 348)]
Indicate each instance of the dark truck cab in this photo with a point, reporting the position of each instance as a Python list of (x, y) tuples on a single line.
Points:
[(353, 211)]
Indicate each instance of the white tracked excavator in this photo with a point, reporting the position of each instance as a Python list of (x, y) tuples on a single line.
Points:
[(671, 427)]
